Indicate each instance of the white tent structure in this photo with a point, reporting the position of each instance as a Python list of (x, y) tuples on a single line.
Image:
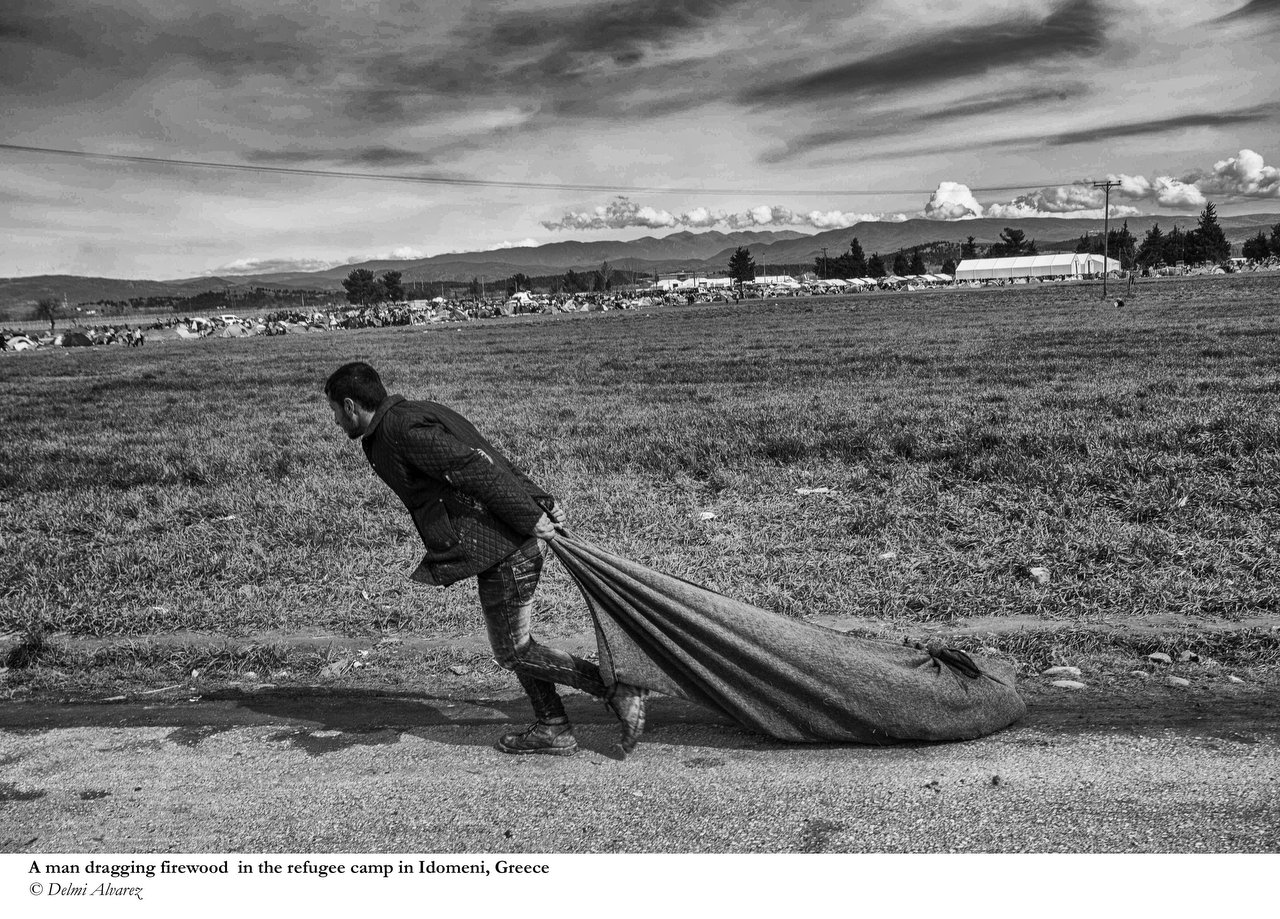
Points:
[(1058, 265)]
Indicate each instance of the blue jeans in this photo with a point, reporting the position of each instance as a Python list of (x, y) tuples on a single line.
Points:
[(506, 595)]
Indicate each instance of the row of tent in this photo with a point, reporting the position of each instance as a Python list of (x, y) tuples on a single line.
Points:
[(893, 280)]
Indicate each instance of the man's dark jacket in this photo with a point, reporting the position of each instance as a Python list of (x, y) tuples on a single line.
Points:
[(472, 508)]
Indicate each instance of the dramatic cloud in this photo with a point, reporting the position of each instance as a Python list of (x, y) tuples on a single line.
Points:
[(952, 201), (574, 61), (247, 266), (611, 95), (617, 214), (878, 124), (1034, 205), (622, 213), (114, 43), (1163, 190), (1075, 29), (364, 156), (1252, 115), (1253, 11), (1244, 175), (835, 220)]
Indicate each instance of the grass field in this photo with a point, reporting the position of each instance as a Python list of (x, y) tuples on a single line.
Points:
[(974, 434)]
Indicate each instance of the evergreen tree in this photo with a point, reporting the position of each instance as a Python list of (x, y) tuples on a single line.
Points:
[(742, 267), (1175, 246), (901, 265), (875, 266), (1151, 252), (968, 249), (857, 267), (1210, 242), (391, 286), (1012, 242), (474, 287), (361, 286), (949, 266), (1257, 248), (1121, 245), (1275, 240), (917, 262)]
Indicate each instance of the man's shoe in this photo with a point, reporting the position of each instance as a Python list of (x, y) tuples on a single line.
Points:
[(552, 739), (627, 702)]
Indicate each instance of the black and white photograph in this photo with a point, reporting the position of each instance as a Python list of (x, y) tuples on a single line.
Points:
[(656, 455)]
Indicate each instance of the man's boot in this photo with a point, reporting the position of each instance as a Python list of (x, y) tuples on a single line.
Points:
[(627, 702), (553, 738)]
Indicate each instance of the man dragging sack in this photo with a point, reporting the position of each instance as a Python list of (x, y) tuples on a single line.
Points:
[(480, 516)]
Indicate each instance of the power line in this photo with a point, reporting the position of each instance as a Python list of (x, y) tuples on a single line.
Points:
[(497, 183)]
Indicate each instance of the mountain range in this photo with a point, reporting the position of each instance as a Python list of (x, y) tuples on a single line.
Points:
[(681, 251)]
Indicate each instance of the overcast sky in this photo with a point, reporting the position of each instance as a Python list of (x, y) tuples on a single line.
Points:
[(538, 121)]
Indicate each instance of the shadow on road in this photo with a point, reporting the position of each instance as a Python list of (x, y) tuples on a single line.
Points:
[(323, 720)]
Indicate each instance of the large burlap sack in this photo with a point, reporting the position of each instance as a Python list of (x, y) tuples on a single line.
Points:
[(781, 677)]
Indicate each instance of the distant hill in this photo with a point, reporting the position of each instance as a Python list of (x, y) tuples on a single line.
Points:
[(683, 251)]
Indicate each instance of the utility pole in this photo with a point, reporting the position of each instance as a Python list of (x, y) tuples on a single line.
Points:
[(1106, 227), (824, 261)]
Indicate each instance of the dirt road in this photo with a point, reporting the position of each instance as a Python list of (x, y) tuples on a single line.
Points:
[(314, 770)]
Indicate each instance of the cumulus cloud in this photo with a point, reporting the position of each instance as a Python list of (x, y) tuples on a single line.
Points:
[(952, 201), (1026, 206), (518, 244), (1079, 200), (247, 266), (623, 212), (1163, 190), (402, 252), (837, 220), (617, 214), (1244, 174), (398, 254)]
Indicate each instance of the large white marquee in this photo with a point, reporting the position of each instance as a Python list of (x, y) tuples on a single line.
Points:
[(1058, 265)]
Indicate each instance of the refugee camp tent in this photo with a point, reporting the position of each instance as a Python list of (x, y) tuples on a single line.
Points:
[(75, 339), (20, 343), (1056, 265), (234, 330)]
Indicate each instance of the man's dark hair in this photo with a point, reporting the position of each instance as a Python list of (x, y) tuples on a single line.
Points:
[(358, 382)]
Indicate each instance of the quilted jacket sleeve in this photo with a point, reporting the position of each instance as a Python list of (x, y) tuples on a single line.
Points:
[(437, 453)]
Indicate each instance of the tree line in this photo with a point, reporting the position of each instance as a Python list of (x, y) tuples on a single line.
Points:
[(1206, 242)]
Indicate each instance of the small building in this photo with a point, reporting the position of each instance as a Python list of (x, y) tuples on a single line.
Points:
[(1057, 265)]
